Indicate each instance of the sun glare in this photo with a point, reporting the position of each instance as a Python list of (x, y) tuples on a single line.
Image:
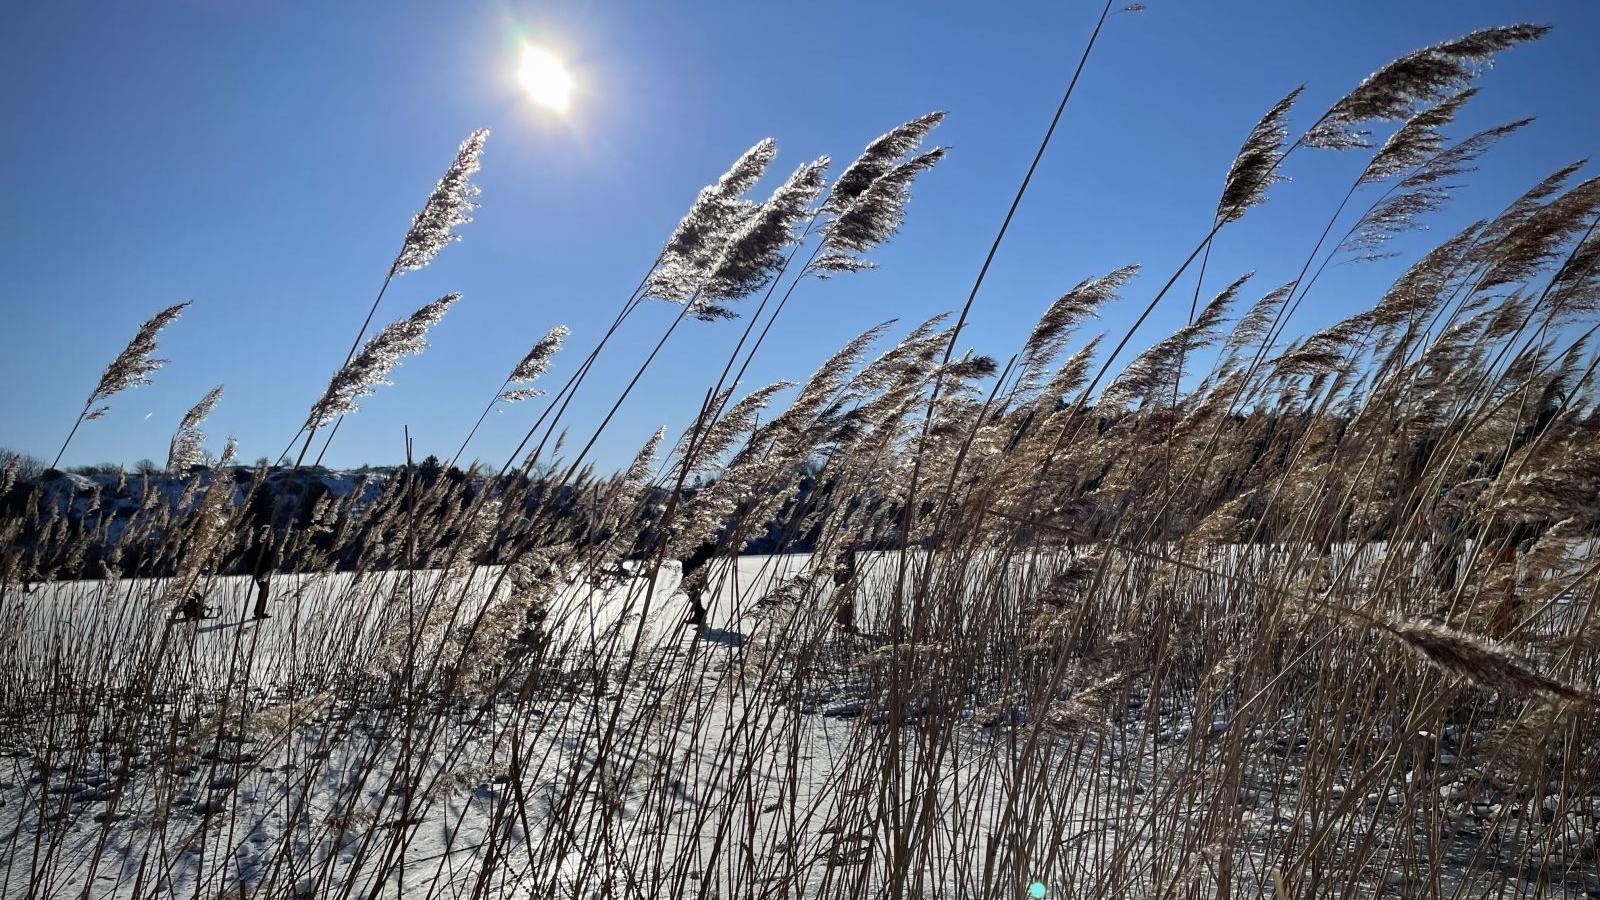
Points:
[(545, 78)]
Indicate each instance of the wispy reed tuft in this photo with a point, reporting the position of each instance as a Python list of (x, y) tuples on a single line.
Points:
[(370, 368), (1418, 138), (1427, 187), (1418, 78), (867, 210), (755, 252), (131, 368), (450, 205), (881, 156), (534, 364), (717, 213), (1255, 168), (187, 448), (134, 365), (1054, 328), (1480, 660), (637, 474)]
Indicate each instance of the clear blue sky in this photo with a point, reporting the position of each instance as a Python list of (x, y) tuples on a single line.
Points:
[(264, 159)]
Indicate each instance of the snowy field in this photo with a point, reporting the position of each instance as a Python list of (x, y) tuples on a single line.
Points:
[(266, 759), (314, 788)]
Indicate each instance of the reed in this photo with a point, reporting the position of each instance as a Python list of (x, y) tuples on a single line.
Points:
[(1258, 611)]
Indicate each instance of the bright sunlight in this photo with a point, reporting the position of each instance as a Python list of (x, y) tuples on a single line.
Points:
[(545, 78)]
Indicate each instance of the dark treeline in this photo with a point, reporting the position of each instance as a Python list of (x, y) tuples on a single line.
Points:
[(101, 521)]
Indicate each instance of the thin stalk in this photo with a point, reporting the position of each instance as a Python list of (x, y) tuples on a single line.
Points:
[(74, 431), (478, 424)]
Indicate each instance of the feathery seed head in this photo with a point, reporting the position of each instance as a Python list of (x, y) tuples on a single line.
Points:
[(1072, 375), (1420, 193), (187, 449), (1489, 663), (534, 364), (746, 170), (201, 410), (909, 357), (1417, 292), (716, 215), (1158, 370), (1418, 138), (1257, 322), (1420, 77), (1537, 242), (1531, 201), (451, 204), (1255, 168), (1055, 327), (754, 254), (377, 358), (638, 471), (970, 368), (711, 209), (872, 217), (883, 154), (716, 438), (134, 365), (829, 378)]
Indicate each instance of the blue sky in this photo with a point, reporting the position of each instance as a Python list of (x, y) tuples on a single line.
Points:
[(264, 159)]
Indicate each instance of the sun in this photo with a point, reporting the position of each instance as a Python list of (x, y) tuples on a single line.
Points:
[(545, 78)]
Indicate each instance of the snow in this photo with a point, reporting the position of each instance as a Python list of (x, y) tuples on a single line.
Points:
[(289, 776), (264, 811)]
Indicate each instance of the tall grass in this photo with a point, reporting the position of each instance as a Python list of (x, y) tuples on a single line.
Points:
[(1252, 615)]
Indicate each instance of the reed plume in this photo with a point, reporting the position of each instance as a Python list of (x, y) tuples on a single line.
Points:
[(901, 368), (448, 207), (1417, 293), (716, 215), (1256, 323), (1055, 327), (533, 365), (1487, 663), (1577, 282), (825, 384), (1255, 167), (131, 368), (700, 447), (134, 365), (867, 203), (186, 449), (370, 368), (1539, 241), (207, 533), (755, 253), (1416, 79), (637, 474), (1071, 376), (1157, 371), (526, 371), (1424, 191), (1530, 202), (1417, 139), (871, 218), (881, 155)]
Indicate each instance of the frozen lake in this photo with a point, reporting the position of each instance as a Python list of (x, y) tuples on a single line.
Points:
[(285, 757)]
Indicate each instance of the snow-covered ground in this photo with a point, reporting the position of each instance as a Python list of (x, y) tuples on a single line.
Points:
[(254, 760), (308, 787)]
